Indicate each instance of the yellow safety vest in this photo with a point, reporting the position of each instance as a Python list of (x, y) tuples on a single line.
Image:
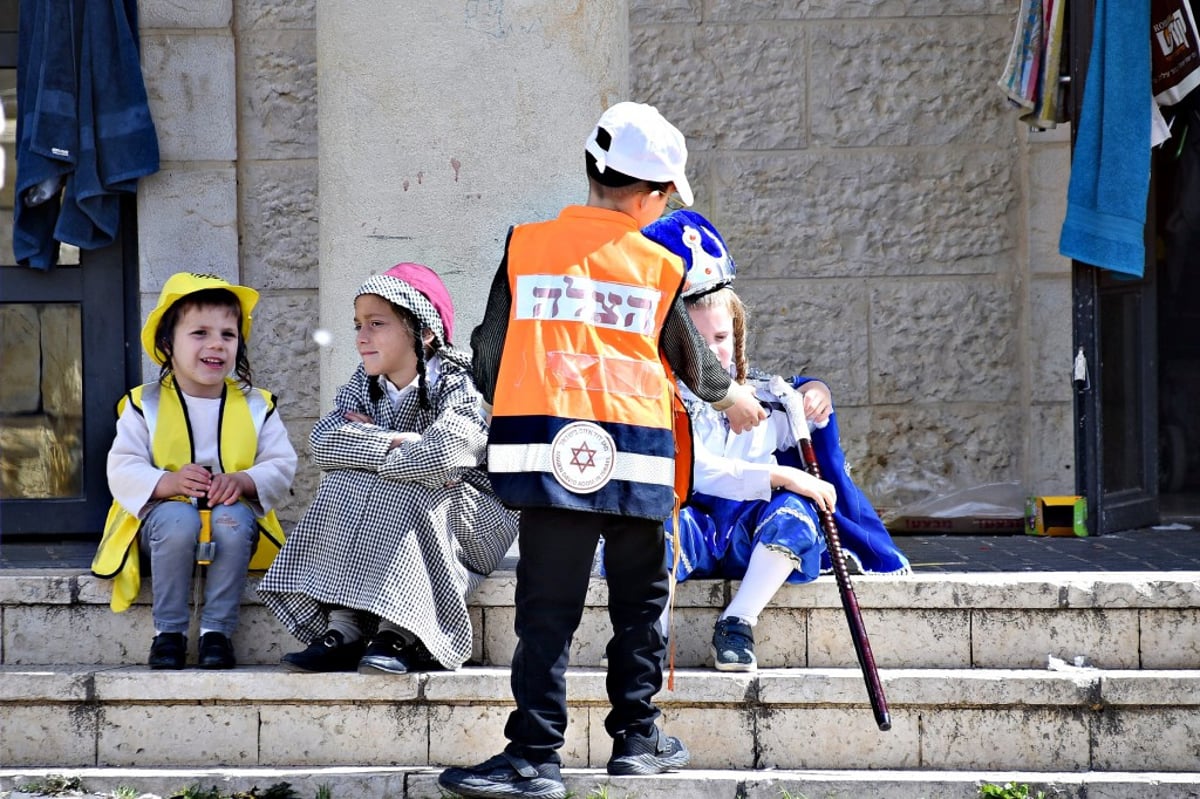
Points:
[(242, 417)]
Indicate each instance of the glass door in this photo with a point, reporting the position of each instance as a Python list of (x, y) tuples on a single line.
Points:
[(62, 346)]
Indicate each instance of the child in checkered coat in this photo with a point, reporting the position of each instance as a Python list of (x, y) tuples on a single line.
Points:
[(405, 525)]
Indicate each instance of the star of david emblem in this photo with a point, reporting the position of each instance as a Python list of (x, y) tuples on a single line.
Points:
[(583, 456)]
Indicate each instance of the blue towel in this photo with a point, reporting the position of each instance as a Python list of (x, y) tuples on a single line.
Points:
[(47, 133), (1110, 169), (84, 120)]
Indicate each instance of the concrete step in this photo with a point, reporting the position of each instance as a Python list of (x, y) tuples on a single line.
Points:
[(421, 783), (1113, 620), (1072, 720)]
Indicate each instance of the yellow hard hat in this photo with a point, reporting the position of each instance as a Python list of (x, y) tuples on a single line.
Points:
[(180, 285)]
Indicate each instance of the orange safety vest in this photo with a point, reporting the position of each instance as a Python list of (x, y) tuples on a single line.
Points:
[(586, 414)]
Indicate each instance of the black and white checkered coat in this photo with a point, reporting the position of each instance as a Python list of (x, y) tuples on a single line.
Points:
[(405, 534)]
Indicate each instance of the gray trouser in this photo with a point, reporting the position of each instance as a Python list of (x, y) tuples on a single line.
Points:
[(169, 535)]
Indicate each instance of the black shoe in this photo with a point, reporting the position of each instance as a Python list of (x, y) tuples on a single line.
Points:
[(169, 651), (216, 651), (505, 775), (733, 646), (388, 652), (643, 755), (328, 653), (419, 659)]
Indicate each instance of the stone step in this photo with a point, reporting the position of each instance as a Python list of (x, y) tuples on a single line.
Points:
[(421, 783), (1070, 720), (1113, 620)]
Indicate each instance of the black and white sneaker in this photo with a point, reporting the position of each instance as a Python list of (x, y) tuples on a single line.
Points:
[(641, 755), (733, 645)]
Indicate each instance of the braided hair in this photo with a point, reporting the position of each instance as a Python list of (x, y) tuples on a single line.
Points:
[(728, 299), (423, 353)]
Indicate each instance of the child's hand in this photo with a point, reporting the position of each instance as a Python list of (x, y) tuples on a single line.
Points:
[(818, 402), (746, 411), (192, 480), (401, 438), (229, 488), (361, 418), (801, 482)]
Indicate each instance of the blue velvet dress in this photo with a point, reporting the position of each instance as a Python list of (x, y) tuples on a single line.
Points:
[(733, 508)]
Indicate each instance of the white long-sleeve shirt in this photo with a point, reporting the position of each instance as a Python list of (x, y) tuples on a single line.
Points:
[(734, 465), (132, 474)]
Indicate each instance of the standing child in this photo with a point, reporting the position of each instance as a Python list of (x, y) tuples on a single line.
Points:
[(404, 525), (754, 516), (574, 359), (196, 437)]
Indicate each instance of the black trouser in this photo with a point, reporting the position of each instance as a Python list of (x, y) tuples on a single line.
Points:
[(557, 547)]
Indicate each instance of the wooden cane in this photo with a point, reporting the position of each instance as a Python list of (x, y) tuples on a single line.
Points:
[(833, 542)]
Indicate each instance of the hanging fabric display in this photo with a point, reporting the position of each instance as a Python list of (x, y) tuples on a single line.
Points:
[(1174, 50), (1031, 74), (84, 132)]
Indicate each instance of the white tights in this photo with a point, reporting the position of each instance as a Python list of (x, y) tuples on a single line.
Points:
[(767, 571)]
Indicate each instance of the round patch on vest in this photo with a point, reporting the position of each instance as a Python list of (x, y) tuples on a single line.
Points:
[(582, 456)]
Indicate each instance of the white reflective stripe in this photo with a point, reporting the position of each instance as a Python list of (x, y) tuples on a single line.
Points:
[(515, 458), (150, 407), (258, 408)]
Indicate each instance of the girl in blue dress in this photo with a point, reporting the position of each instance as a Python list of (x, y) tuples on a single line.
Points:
[(753, 515)]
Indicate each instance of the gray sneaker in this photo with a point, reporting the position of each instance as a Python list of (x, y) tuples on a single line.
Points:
[(733, 646)]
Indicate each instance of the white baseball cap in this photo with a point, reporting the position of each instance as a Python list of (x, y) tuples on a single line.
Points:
[(644, 145)]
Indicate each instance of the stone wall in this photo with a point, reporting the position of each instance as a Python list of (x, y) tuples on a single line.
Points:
[(894, 226), (232, 87)]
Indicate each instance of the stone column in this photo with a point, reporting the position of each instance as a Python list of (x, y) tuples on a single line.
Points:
[(441, 124)]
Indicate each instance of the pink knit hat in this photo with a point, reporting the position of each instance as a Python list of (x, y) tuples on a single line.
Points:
[(425, 281)]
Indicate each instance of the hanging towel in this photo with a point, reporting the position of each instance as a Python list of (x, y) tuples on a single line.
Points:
[(47, 133), (1047, 107), (1021, 72), (1110, 167), (84, 124)]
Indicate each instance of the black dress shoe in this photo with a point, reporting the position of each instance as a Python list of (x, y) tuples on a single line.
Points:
[(419, 659), (330, 652), (216, 651), (169, 651), (388, 653), (392, 653)]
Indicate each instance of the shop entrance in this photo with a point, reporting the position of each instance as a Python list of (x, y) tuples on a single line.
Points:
[(1137, 341)]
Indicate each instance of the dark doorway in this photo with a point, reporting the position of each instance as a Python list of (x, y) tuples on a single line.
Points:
[(1176, 170), (1116, 329), (65, 361)]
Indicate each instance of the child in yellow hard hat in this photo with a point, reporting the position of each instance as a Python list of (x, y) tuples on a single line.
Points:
[(199, 451)]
